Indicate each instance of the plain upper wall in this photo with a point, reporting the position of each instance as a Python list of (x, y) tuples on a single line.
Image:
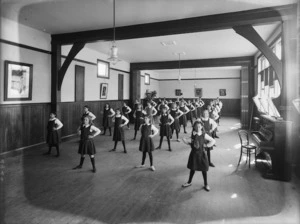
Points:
[(40, 57), (154, 83), (211, 80), (20, 34), (92, 82)]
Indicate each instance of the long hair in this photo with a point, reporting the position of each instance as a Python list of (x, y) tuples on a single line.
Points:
[(195, 126)]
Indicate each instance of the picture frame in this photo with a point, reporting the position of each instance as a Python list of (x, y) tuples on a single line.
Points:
[(178, 92), (17, 81), (222, 92), (147, 79), (198, 92), (103, 90), (103, 69)]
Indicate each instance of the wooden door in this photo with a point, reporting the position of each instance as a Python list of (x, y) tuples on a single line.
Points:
[(79, 83), (120, 87)]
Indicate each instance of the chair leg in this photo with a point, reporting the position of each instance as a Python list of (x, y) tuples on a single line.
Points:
[(240, 156), (249, 152)]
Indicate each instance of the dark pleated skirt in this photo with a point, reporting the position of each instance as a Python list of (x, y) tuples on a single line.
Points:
[(138, 123), (199, 112), (182, 120), (118, 134), (146, 144), (175, 125), (107, 122), (165, 130), (87, 147), (194, 113), (198, 161), (53, 138), (189, 116)]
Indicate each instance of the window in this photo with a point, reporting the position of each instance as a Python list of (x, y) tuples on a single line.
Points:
[(102, 69), (268, 87), (147, 79)]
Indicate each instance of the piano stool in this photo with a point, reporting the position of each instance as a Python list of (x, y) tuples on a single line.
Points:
[(246, 147)]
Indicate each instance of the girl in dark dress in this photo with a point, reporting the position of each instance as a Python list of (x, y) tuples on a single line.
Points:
[(87, 113), (126, 111), (146, 142), (198, 158), (87, 132), (176, 114), (52, 135), (209, 125), (189, 116), (139, 118), (150, 111), (120, 121), (200, 107), (182, 119), (165, 130), (194, 112), (108, 113)]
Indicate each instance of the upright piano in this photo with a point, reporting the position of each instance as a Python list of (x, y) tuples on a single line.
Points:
[(271, 140)]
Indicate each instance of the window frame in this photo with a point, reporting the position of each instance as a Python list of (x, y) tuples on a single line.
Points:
[(107, 76)]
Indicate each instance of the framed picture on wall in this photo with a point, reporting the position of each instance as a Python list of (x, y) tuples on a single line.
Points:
[(103, 90), (178, 92), (147, 79), (198, 92), (102, 69), (17, 81), (222, 92)]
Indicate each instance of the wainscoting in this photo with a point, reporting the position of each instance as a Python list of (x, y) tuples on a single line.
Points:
[(24, 125)]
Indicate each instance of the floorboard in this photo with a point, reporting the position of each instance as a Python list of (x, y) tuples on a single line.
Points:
[(45, 189)]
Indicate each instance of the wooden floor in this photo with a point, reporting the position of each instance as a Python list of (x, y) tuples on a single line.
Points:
[(44, 189)]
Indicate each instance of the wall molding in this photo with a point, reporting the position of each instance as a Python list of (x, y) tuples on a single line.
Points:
[(49, 52)]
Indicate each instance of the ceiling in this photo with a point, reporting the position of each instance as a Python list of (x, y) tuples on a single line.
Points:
[(63, 16)]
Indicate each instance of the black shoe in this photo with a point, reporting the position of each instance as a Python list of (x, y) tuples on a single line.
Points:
[(157, 147), (125, 151), (46, 153), (185, 132), (112, 150), (211, 164), (170, 149), (103, 133), (217, 137), (77, 167), (94, 170), (57, 155)]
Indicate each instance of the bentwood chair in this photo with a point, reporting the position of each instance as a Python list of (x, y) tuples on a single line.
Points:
[(246, 147)]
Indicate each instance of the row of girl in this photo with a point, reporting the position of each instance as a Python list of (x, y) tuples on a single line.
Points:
[(170, 118)]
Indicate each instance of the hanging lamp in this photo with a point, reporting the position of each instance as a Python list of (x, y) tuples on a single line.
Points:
[(114, 50)]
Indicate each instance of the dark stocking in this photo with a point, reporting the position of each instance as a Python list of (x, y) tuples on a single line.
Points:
[(151, 158), (93, 164), (116, 142), (204, 174), (169, 144), (144, 158), (192, 172), (104, 130), (109, 131), (123, 142), (160, 141), (135, 132), (57, 149)]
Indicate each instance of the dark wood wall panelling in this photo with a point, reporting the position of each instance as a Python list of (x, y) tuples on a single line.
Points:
[(24, 125)]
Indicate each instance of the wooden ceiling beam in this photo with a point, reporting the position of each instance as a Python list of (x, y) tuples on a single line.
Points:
[(199, 63), (181, 26)]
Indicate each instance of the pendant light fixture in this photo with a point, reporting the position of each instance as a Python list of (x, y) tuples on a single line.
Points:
[(114, 50), (179, 64)]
